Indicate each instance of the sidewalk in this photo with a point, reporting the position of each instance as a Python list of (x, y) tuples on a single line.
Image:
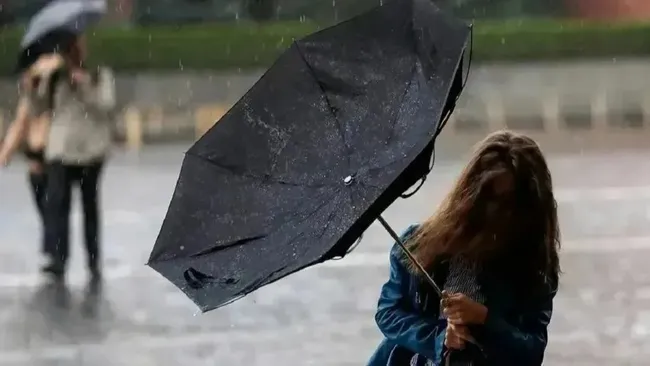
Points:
[(322, 316)]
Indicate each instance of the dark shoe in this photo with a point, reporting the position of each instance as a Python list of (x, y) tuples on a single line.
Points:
[(95, 273), (55, 269), (92, 300)]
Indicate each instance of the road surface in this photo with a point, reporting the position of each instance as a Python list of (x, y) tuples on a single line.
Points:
[(322, 316)]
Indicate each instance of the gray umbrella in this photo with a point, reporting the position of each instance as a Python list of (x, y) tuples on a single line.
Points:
[(68, 15)]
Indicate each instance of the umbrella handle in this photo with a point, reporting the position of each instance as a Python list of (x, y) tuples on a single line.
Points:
[(428, 277), (399, 242)]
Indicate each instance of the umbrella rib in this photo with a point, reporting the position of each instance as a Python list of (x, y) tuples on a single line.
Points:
[(322, 232), (261, 179), (260, 282), (401, 102), (330, 219), (385, 166), (258, 237), (394, 120), (365, 184), (348, 149)]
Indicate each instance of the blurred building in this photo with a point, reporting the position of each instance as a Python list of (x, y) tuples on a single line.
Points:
[(329, 11), (120, 11), (19, 11), (610, 9), (322, 11)]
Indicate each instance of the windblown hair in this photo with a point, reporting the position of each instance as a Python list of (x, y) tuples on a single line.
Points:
[(501, 210)]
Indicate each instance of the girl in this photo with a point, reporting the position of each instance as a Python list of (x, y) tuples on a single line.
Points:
[(493, 246), (31, 126)]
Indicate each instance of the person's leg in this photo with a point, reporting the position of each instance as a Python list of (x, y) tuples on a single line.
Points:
[(37, 181), (89, 182), (57, 217)]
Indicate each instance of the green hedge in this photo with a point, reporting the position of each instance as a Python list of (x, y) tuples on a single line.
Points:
[(557, 40), (246, 46)]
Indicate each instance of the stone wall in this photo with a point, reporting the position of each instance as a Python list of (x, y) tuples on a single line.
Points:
[(576, 97)]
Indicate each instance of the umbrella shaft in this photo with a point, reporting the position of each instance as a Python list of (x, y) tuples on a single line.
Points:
[(399, 242)]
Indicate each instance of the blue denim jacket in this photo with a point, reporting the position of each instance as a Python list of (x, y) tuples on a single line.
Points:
[(514, 333)]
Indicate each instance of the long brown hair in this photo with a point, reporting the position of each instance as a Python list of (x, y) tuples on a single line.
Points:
[(501, 209)]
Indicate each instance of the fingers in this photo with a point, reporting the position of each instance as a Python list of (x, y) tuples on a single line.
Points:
[(461, 332), (458, 330), (450, 298), (449, 309), (456, 298), (443, 299), (451, 295), (455, 315), (452, 344), (456, 319), (455, 308), (452, 340), (450, 312)]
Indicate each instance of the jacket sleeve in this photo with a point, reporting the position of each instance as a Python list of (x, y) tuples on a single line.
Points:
[(521, 344), (398, 322)]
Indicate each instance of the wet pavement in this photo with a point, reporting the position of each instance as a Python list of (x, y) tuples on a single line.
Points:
[(324, 315)]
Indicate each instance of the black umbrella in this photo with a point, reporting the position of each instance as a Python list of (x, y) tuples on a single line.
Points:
[(53, 42), (336, 130)]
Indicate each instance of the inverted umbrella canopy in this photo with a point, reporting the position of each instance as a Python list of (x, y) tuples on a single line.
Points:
[(56, 25), (336, 130)]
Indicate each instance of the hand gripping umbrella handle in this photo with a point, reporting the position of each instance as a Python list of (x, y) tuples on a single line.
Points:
[(399, 242), (428, 277)]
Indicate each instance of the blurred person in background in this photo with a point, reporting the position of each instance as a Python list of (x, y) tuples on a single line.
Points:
[(78, 141), (30, 127), (493, 246)]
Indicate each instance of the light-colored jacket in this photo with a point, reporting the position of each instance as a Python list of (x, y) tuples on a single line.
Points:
[(80, 124)]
